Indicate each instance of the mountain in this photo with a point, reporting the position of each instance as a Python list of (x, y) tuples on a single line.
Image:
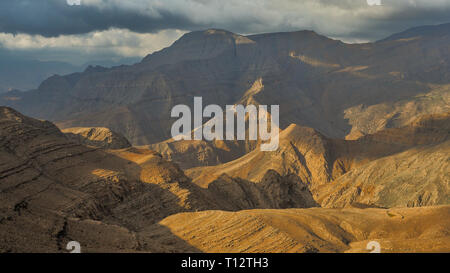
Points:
[(17, 72), (420, 32), (25, 73), (51, 186), (416, 177), (318, 82), (363, 150), (406, 166), (54, 190)]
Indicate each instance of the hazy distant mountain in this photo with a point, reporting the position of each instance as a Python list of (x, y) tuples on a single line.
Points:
[(111, 63), (22, 73), (318, 82), (420, 32)]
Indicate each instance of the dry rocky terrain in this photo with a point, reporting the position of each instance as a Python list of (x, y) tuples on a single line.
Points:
[(55, 190), (97, 137), (363, 153)]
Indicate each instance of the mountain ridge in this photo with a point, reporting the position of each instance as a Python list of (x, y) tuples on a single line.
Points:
[(307, 74)]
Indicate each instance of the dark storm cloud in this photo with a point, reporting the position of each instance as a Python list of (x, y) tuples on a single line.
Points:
[(51, 18), (348, 19)]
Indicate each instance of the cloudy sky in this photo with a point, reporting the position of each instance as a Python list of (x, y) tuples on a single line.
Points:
[(111, 29)]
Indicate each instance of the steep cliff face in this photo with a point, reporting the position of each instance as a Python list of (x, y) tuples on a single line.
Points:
[(336, 88)]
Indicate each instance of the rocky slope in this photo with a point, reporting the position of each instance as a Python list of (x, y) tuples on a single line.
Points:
[(97, 137), (369, 119), (313, 230), (302, 151), (46, 176), (129, 200), (194, 153), (41, 167), (273, 191), (54, 190), (406, 166), (318, 82), (416, 177)]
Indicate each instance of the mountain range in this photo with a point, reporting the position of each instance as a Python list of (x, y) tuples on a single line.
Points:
[(363, 150), (339, 89), (18, 72)]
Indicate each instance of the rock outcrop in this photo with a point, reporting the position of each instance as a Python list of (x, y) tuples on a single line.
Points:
[(194, 153), (97, 137)]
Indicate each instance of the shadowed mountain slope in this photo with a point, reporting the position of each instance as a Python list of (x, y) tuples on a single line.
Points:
[(318, 82)]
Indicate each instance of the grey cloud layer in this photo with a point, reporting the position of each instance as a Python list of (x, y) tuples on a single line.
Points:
[(51, 18), (348, 19)]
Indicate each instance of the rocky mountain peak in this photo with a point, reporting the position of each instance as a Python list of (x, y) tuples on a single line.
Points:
[(197, 45)]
